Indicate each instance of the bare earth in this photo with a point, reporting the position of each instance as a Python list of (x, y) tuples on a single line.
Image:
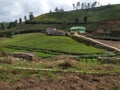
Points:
[(111, 43), (68, 81)]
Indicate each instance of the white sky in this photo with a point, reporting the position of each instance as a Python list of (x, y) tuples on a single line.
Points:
[(14, 9)]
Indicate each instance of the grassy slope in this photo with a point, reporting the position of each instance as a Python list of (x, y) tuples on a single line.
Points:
[(10, 74), (39, 27), (37, 53), (94, 14), (111, 12), (56, 43)]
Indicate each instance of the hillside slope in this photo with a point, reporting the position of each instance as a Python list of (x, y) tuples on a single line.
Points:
[(109, 12), (99, 19)]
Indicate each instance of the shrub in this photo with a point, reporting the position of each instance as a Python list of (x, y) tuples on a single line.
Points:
[(6, 33), (65, 65)]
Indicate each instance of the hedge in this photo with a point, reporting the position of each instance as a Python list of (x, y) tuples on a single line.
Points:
[(6, 33), (11, 33)]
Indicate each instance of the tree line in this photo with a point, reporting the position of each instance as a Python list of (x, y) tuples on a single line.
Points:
[(16, 22), (56, 9), (85, 5)]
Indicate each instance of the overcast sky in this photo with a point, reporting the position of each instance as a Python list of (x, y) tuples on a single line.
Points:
[(15, 9)]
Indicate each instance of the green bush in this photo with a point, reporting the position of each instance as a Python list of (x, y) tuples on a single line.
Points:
[(6, 33)]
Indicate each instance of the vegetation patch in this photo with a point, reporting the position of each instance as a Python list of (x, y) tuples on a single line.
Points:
[(108, 12), (38, 54), (48, 71), (65, 65), (40, 41)]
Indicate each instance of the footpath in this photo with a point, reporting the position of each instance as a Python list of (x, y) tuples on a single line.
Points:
[(97, 42)]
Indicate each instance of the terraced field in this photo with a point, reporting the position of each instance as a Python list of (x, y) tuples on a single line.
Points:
[(62, 44), (38, 74)]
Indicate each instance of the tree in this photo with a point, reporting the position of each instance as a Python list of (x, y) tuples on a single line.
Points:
[(98, 3), (2, 26), (15, 23), (94, 4), (85, 5), (10, 25), (20, 20), (73, 6), (56, 9), (61, 10), (88, 5), (85, 19), (50, 11), (76, 20), (82, 6), (25, 18), (31, 16), (78, 5)]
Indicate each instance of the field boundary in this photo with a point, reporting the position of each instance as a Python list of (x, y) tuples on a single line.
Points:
[(63, 71), (50, 51)]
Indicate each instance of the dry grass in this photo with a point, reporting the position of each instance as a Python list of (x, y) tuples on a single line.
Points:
[(6, 60)]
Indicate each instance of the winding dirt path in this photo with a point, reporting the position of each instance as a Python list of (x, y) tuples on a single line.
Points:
[(111, 43), (108, 44)]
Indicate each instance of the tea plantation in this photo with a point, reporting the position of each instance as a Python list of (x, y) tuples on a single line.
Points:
[(61, 44)]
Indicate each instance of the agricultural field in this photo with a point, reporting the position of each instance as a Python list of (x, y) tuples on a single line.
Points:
[(55, 74), (56, 44), (60, 59), (38, 54), (32, 60)]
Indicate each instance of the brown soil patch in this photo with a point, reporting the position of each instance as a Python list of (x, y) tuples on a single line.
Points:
[(107, 26), (111, 43)]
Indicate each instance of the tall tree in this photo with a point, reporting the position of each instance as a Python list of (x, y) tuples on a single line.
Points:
[(85, 19), (94, 4), (14, 24), (85, 5), (78, 5), (25, 18), (98, 3), (20, 20), (61, 10), (31, 16), (73, 6), (10, 25), (56, 9), (50, 11), (88, 5), (2, 26), (82, 5)]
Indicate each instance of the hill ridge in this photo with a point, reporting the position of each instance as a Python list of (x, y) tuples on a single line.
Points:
[(94, 14)]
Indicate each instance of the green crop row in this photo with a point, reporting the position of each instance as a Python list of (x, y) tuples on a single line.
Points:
[(51, 43)]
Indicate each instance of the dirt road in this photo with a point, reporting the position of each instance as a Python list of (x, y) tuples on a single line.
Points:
[(112, 45)]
